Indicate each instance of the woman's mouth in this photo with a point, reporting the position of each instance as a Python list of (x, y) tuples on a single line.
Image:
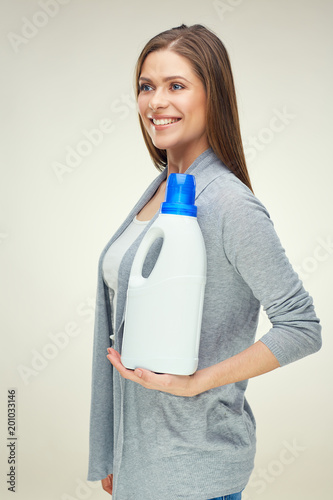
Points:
[(164, 121)]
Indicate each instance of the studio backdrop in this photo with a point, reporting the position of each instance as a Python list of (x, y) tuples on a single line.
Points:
[(71, 142)]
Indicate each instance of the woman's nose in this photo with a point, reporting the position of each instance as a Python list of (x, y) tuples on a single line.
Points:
[(158, 100)]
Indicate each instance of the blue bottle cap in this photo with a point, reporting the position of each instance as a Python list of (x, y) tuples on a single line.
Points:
[(180, 195)]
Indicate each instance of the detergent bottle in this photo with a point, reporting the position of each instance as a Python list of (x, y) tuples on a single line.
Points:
[(164, 310)]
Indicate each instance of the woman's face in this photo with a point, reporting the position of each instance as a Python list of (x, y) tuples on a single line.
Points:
[(172, 103)]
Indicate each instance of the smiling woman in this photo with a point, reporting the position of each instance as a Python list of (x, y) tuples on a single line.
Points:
[(161, 436), (173, 108), (209, 61)]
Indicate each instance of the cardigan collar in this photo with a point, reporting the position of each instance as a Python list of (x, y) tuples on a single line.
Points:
[(206, 167)]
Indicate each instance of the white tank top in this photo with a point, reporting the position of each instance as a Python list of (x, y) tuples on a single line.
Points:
[(113, 257)]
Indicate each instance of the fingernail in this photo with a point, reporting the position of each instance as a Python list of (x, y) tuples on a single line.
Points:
[(138, 373)]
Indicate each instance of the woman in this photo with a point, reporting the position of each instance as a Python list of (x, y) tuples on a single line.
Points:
[(165, 437)]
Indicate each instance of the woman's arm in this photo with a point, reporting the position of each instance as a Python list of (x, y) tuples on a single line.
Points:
[(253, 361), (253, 249)]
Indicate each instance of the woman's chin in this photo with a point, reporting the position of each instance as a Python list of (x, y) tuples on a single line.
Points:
[(161, 144)]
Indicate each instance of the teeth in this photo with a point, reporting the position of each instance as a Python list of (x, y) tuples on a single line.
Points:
[(165, 121)]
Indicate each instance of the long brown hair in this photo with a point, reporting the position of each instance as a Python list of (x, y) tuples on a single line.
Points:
[(210, 61)]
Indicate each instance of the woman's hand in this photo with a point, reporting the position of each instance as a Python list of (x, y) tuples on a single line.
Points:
[(253, 361), (107, 484), (178, 385)]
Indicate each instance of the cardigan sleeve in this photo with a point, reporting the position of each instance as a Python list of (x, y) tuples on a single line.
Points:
[(254, 249), (101, 410)]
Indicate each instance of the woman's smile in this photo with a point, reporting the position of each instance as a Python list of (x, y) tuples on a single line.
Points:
[(161, 122)]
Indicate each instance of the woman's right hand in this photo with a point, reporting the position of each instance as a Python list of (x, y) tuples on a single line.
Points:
[(107, 484)]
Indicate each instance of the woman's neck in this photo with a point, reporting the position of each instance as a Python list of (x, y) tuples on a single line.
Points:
[(180, 161)]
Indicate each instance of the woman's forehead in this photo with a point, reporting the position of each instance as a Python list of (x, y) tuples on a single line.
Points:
[(166, 64)]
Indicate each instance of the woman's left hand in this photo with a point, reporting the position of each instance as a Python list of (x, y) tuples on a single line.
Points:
[(178, 385)]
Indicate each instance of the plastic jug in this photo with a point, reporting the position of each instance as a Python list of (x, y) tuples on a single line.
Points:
[(164, 310)]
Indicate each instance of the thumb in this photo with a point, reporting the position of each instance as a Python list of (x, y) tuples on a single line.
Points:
[(138, 372), (144, 375)]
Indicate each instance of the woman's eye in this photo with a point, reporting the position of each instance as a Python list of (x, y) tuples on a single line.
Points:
[(176, 86), (144, 87)]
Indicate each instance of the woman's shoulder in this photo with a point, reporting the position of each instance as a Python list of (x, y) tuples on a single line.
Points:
[(228, 195)]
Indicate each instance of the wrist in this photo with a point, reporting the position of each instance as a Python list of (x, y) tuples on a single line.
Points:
[(203, 380)]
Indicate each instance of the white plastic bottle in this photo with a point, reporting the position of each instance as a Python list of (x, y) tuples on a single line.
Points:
[(164, 311)]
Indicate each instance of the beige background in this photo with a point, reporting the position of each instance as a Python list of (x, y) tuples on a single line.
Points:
[(67, 68)]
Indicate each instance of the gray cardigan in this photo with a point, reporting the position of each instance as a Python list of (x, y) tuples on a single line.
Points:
[(165, 447)]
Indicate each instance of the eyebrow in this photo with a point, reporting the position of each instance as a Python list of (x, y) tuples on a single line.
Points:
[(166, 79)]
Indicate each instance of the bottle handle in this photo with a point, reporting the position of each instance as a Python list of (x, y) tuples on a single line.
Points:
[(136, 278)]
